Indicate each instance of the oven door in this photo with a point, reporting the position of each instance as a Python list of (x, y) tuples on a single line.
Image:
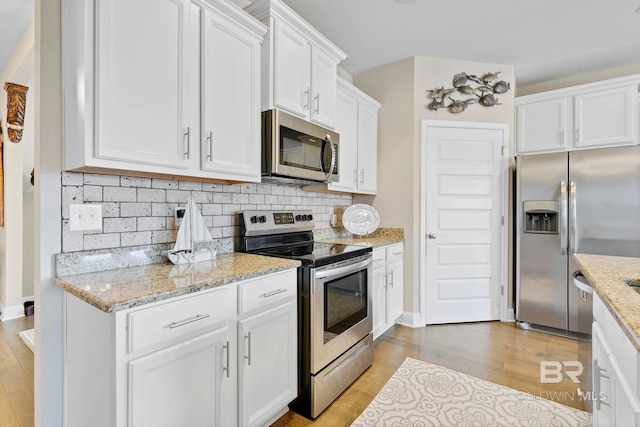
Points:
[(340, 308)]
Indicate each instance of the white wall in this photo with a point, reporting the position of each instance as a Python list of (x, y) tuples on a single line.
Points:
[(403, 88), (579, 79), (48, 189), (19, 70)]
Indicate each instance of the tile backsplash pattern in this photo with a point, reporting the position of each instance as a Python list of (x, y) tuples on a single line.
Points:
[(140, 211)]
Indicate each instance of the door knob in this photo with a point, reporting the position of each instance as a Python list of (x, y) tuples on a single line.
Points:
[(432, 235)]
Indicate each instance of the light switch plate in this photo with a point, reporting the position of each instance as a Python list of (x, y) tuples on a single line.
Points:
[(85, 217)]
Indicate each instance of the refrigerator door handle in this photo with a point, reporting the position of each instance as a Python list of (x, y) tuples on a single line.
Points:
[(563, 218), (573, 224)]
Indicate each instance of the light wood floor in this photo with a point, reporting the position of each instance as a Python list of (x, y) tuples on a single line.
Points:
[(493, 351), (16, 375)]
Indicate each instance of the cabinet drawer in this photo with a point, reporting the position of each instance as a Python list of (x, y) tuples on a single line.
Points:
[(171, 320), (395, 252), (379, 257), (267, 290)]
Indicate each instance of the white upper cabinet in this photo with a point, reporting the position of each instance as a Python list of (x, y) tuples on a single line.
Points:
[(588, 116), (357, 124), (167, 87), (231, 100), (299, 65), (605, 117)]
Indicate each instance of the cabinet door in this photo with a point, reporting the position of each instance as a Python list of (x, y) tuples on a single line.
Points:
[(347, 127), (268, 361), (140, 82), (292, 74), (180, 385), (231, 100), (395, 283), (543, 126), (379, 301), (323, 88), (367, 149), (606, 117)]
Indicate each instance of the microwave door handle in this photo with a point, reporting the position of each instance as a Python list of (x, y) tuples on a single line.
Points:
[(327, 172)]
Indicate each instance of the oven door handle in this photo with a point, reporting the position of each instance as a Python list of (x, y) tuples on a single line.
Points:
[(343, 270)]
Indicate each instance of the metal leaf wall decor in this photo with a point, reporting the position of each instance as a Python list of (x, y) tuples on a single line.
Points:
[(481, 90)]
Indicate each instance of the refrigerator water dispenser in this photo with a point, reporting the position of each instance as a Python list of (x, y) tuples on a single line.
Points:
[(540, 216)]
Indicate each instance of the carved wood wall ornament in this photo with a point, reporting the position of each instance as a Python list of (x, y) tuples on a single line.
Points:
[(16, 105), (1, 178)]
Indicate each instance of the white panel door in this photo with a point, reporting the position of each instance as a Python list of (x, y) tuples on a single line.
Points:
[(543, 126), (367, 149), (292, 62), (140, 81), (267, 353), (231, 106), (464, 175), (323, 85), (180, 385), (347, 127), (606, 117)]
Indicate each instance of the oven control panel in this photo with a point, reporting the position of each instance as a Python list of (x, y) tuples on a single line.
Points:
[(257, 223)]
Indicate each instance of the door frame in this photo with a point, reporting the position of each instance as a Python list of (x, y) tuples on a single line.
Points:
[(504, 166)]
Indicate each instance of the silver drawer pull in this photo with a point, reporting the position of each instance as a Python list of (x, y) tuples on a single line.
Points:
[(272, 293), (195, 318), (378, 259)]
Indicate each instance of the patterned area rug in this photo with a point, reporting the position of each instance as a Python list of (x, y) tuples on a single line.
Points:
[(422, 394)]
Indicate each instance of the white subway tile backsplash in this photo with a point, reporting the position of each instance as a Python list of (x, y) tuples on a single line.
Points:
[(140, 211), (119, 194)]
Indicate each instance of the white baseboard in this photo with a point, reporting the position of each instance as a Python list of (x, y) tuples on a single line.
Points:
[(12, 312), (410, 319), (510, 316)]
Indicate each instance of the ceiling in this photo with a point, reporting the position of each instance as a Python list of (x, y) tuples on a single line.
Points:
[(542, 39), (15, 16)]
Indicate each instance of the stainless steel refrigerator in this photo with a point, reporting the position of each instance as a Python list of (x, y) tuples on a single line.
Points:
[(578, 202)]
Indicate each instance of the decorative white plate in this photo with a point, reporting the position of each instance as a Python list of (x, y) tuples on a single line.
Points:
[(361, 219)]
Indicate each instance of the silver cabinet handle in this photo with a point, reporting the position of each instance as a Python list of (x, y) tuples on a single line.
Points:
[(562, 143), (210, 145), (578, 134), (596, 384), (187, 146), (272, 293), (563, 218), (306, 96), (195, 318), (362, 176), (248, 355), (386, 280), (432, 236), (317, 98), (391, 279), (225, 368)]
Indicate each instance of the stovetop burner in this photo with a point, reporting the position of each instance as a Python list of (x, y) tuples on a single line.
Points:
[(289, 234)]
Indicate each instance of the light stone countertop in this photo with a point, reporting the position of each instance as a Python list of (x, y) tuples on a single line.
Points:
[(124, 288), (607, 275), (381, 237)]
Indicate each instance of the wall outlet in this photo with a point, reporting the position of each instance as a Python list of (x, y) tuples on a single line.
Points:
[(85, 217), (179, 214)]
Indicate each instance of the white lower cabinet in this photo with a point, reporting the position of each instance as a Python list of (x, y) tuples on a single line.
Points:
[(387, 288), (180, 385), (615, 368), (184, 361), (267, 351)]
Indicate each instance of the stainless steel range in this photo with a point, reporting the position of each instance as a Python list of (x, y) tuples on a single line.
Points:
[(335, 344)]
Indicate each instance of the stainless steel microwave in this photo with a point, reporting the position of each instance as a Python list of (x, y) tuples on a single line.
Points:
[(293, 148)]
